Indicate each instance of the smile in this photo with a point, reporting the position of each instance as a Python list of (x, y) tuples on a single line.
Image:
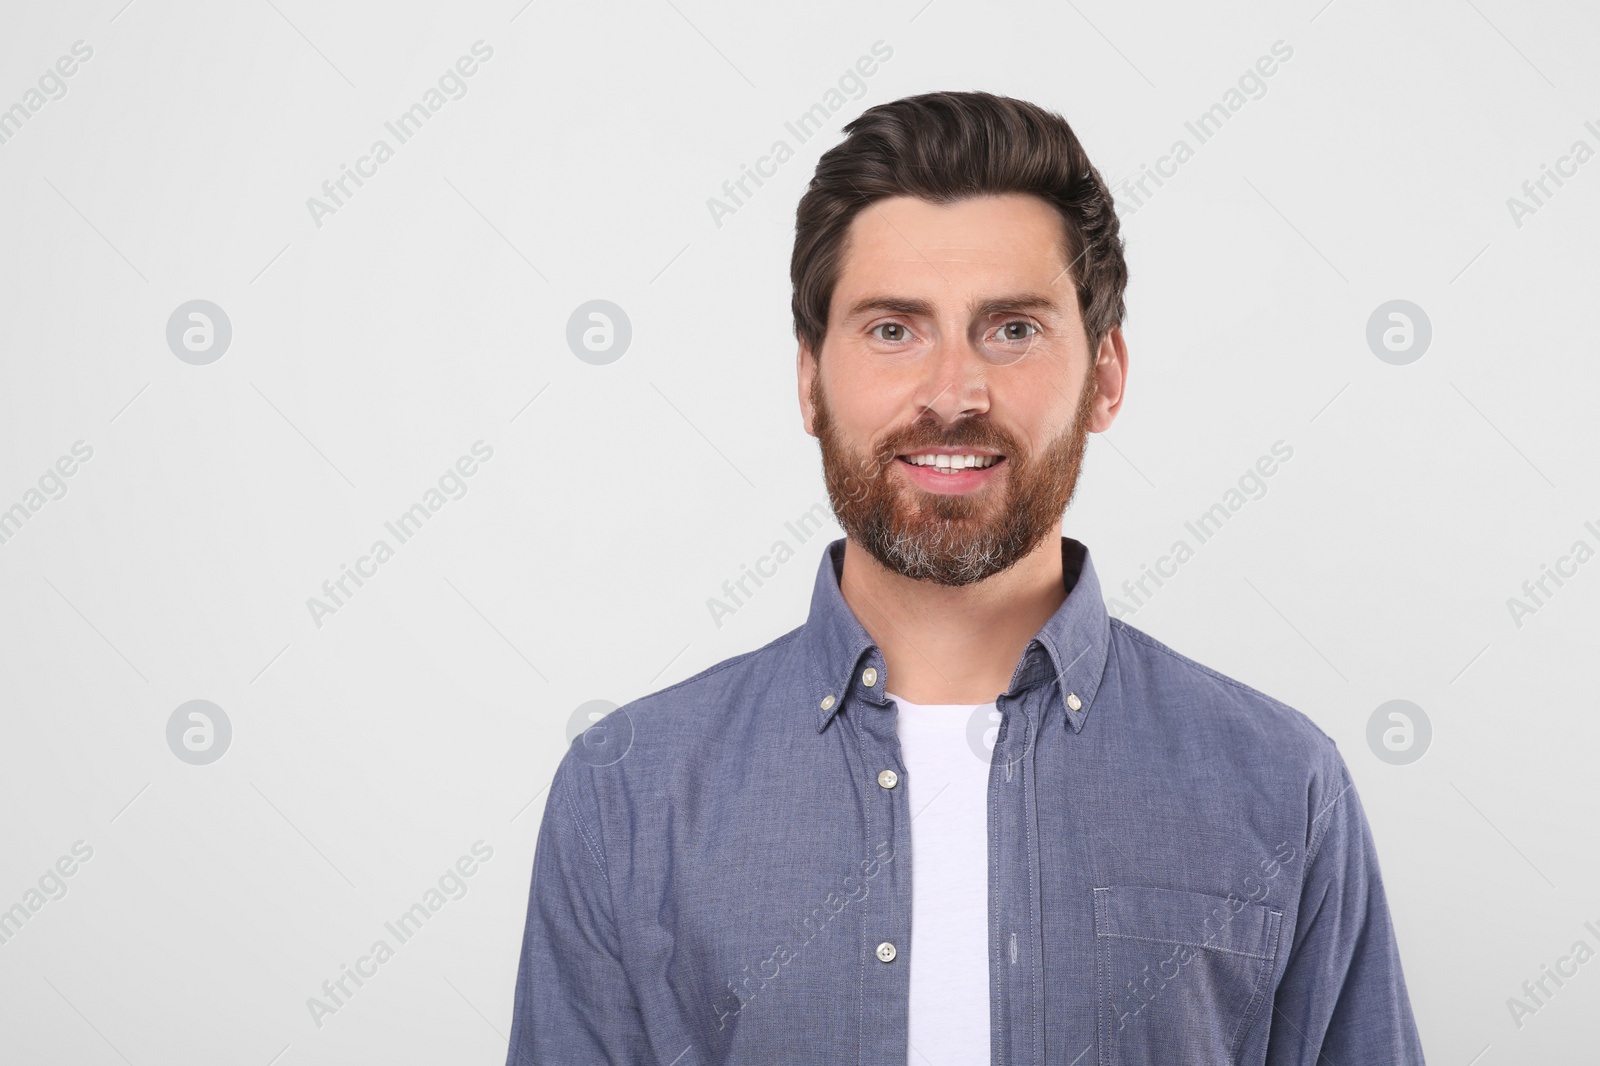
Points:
[(951, 464)]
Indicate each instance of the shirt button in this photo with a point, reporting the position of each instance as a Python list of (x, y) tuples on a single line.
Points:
[(869, 676), (888, 779), (886, 952), (827, 703), (1073, 701)]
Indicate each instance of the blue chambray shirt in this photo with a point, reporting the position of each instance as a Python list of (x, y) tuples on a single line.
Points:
[(1180, 870)]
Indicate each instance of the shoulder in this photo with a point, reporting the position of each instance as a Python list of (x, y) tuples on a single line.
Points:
[(672, 747), (1182, 693), (776, 664), (714, 706)]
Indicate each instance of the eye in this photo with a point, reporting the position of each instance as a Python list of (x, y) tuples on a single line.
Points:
[(901, 332), (1018, 329)]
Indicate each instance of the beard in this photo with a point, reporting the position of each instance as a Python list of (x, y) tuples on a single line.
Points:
[(955, 539)]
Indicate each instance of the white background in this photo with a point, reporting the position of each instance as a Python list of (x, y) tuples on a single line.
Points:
[(370, 352)]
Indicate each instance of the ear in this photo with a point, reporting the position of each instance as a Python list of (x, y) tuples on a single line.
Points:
[(806, 370), (1111, 376)]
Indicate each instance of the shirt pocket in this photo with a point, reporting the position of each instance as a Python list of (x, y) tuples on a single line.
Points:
[(1180, 975)]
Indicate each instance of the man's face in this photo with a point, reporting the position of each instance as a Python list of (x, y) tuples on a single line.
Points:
[(954, 329)]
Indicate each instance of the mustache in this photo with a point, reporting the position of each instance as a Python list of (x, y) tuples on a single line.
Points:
[(964, 435)]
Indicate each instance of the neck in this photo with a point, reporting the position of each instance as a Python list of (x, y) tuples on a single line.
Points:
[(945, 645)]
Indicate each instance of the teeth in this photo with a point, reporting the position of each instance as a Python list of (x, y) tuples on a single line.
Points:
[(952, 463)]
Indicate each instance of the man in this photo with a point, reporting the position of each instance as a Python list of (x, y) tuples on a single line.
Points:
[(960, 815)]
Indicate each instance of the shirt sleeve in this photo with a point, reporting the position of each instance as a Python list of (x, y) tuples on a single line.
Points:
[(1343, 996), (573, 1005)]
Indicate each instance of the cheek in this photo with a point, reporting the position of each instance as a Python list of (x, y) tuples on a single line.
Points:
[(1034, 415), (1044, 405), (864, 406)]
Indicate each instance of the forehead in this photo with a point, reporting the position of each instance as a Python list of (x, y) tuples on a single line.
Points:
[(980, 243)]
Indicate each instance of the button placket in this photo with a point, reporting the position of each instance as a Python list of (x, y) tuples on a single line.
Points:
[(885, 913), (1012, 920)]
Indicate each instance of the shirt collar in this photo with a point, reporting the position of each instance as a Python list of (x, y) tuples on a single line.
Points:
[(1074, 642)]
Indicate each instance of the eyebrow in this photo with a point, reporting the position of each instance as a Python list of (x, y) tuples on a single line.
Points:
[(901, 305)]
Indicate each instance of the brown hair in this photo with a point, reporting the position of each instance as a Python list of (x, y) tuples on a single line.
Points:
[(944, 147)]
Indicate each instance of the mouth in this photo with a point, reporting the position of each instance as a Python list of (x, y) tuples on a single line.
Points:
[(947, 472), (951, 463)]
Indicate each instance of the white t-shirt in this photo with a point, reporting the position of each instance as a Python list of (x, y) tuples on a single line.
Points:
[(946, 752)]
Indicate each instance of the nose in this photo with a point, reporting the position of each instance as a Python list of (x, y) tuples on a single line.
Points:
[(955, 382)]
